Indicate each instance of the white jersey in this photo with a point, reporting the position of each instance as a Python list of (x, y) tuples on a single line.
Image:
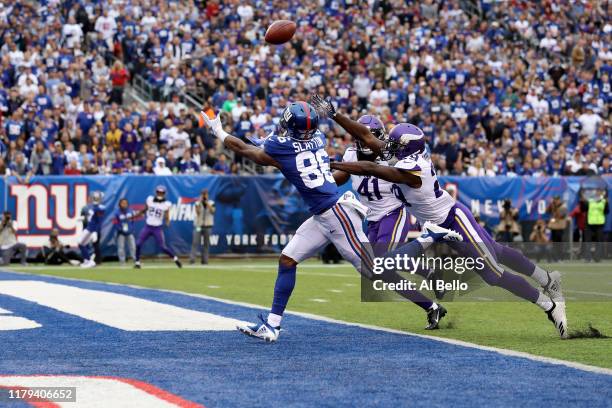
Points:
[(156, 211), (428, 202), (376, 194)]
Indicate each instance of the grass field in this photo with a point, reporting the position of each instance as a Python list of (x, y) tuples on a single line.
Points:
[(334, 291)]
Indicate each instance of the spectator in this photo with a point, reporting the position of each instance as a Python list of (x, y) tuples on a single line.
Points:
[(73, 169), (9, 246), (221, 166), (40, 160), (119, 77), (160, 168)]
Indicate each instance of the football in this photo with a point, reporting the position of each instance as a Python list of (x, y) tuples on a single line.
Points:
[(280, 32)]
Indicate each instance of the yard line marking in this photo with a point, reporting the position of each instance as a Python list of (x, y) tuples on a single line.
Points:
[(116, 310), (461, 343), (319, 300), (17, 323), (99, 391), (213, 286), (586, 292), (335, 290)]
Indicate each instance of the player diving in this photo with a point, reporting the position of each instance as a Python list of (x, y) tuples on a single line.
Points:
[(388, 218), (297, 149), (415, 175)]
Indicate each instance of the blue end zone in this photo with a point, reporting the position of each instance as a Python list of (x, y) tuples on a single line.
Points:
[(315, 363)]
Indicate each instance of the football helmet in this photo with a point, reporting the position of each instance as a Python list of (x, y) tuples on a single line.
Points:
[(404, 139), (376, 128), (299, 121)]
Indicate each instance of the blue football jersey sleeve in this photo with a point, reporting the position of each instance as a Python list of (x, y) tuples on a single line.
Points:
[(305, 164)]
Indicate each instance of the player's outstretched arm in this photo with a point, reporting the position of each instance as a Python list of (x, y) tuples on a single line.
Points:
[(391, 174), (354, 128), (341, 177), (238, 146)]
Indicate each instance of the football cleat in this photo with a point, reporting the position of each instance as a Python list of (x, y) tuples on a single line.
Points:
[(178, 262), (88, 263), (556, 314), (438, 233), (137, 265), (262, 330), (553, 287), (434, 316)]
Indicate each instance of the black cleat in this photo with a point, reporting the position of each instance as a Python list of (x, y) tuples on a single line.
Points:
[(433, 278), (434, 317), (178, 263), (137, 265)]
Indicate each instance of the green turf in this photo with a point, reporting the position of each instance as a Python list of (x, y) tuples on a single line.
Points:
[(334, 291)]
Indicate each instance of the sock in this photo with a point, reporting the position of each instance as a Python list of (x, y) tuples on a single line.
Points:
[(413, 249), (175, 258), (541, 276), (84, 252), (519, 286), (137, 259), (285, 282), (274, 320), (544, 302), (434, 306)]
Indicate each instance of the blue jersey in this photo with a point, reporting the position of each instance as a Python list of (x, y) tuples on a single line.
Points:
[(124, 221), (306, 166), (95, 214)]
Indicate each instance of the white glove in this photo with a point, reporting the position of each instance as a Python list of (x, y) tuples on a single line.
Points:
[(215, 126)]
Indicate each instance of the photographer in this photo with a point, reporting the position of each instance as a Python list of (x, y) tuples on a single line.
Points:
[(56, 253), (539, 236), (508, 226), (9, 246), (124, 226), (202, 225), (557, 224)]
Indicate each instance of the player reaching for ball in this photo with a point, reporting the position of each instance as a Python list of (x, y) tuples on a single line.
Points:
[(388, 218), (297, 149), (415, 175)]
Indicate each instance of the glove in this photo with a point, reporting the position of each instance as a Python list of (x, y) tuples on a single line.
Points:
[(214, 125), (322, 106)]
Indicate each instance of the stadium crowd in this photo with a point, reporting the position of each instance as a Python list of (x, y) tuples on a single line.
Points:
[(525, 90)]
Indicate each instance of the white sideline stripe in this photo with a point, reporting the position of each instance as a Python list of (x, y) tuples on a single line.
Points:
[(585, 292), (505, 352), (17, 323), (252, 269), (115, 310), (93, 392)]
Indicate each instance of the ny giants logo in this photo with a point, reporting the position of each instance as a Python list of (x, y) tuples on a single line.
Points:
[(40, 208)]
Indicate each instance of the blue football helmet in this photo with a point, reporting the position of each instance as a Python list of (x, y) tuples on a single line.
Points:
[(96, 197), (376, 128), (404, 139), (299, 121)]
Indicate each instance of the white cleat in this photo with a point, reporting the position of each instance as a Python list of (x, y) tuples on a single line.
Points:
[(553, 287), (438, 233), (88, 264), (261, 331), (74, 262), (557, 315)]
